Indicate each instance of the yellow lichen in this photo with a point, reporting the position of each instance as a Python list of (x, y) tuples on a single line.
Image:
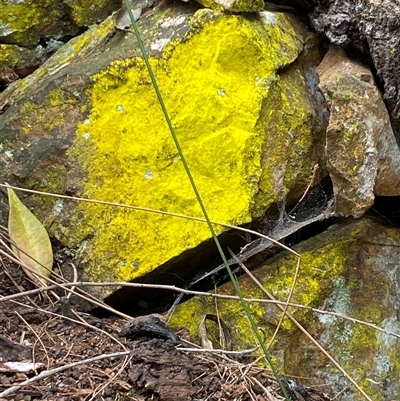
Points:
[(76, 49), (9, 55), (86, 12), (318, 269), (20, 20), (214, 97)]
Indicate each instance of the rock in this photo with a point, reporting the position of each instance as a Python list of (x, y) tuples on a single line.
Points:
[(369, 28), (12, 352), (17, 62), (351, 269), (234, 5), (88, 124), (87, 12), (26, 23), (362, 155)]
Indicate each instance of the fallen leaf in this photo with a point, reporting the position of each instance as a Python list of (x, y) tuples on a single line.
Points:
[(29, 240), (225, 335), (122, 19)]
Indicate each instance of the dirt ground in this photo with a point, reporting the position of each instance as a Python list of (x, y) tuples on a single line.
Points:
[(86, 358)]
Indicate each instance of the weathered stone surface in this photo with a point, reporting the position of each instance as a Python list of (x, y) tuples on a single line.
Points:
[(362, 154), (371, 27), (234, 5), (88, 12), (88, 123), (17, 62), (25, 23), (351, 269)]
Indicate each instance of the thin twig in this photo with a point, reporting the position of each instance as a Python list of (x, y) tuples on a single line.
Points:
[(221, 351), (38, 338), (103, 386), (289, 298), (47, 373), (149, 210), (309, 336), (199, 293)]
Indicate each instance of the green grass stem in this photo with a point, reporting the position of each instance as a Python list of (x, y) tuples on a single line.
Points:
[(201, 204)]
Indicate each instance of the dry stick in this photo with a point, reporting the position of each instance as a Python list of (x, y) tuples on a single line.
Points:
[(312, 181), (103, 386), (82, 323), (155, 211), (304, 331), (191, 292), (135, 208), (222, 337), (339, 393), (286, 304), (177, 289), (220, 351), (266, 391), (47, 373), (316, 167), (38, 339), (250, 394), (287, 301), (86, 297)]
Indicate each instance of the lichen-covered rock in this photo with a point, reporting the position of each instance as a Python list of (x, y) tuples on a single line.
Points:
[(94, 128), (369, 28), (362, 154), (17, 62), (350, 269), (26, 22), (234, 5), (88, 12)]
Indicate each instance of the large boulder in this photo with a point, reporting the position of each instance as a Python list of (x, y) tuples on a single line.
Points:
[(351, 269), (88, 123)]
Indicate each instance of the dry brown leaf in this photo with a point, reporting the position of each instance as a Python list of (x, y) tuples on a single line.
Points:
[(29, 240), (225, 336)]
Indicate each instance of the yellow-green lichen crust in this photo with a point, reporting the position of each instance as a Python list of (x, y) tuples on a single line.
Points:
[(10, 55), (343, 271), (87, 12), (22, 21), (234, 5), (318, 269), (25, 22), (214, 84), (71, 53)]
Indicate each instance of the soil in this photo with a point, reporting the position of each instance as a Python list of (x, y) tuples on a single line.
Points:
[(85, 358)]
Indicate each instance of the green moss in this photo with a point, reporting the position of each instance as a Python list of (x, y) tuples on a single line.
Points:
[(215, 99)]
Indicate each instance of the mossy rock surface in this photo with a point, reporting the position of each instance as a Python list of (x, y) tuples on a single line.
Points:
[(88, 123)]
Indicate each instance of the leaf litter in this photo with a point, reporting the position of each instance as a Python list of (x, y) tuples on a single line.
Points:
[(101, 365)]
